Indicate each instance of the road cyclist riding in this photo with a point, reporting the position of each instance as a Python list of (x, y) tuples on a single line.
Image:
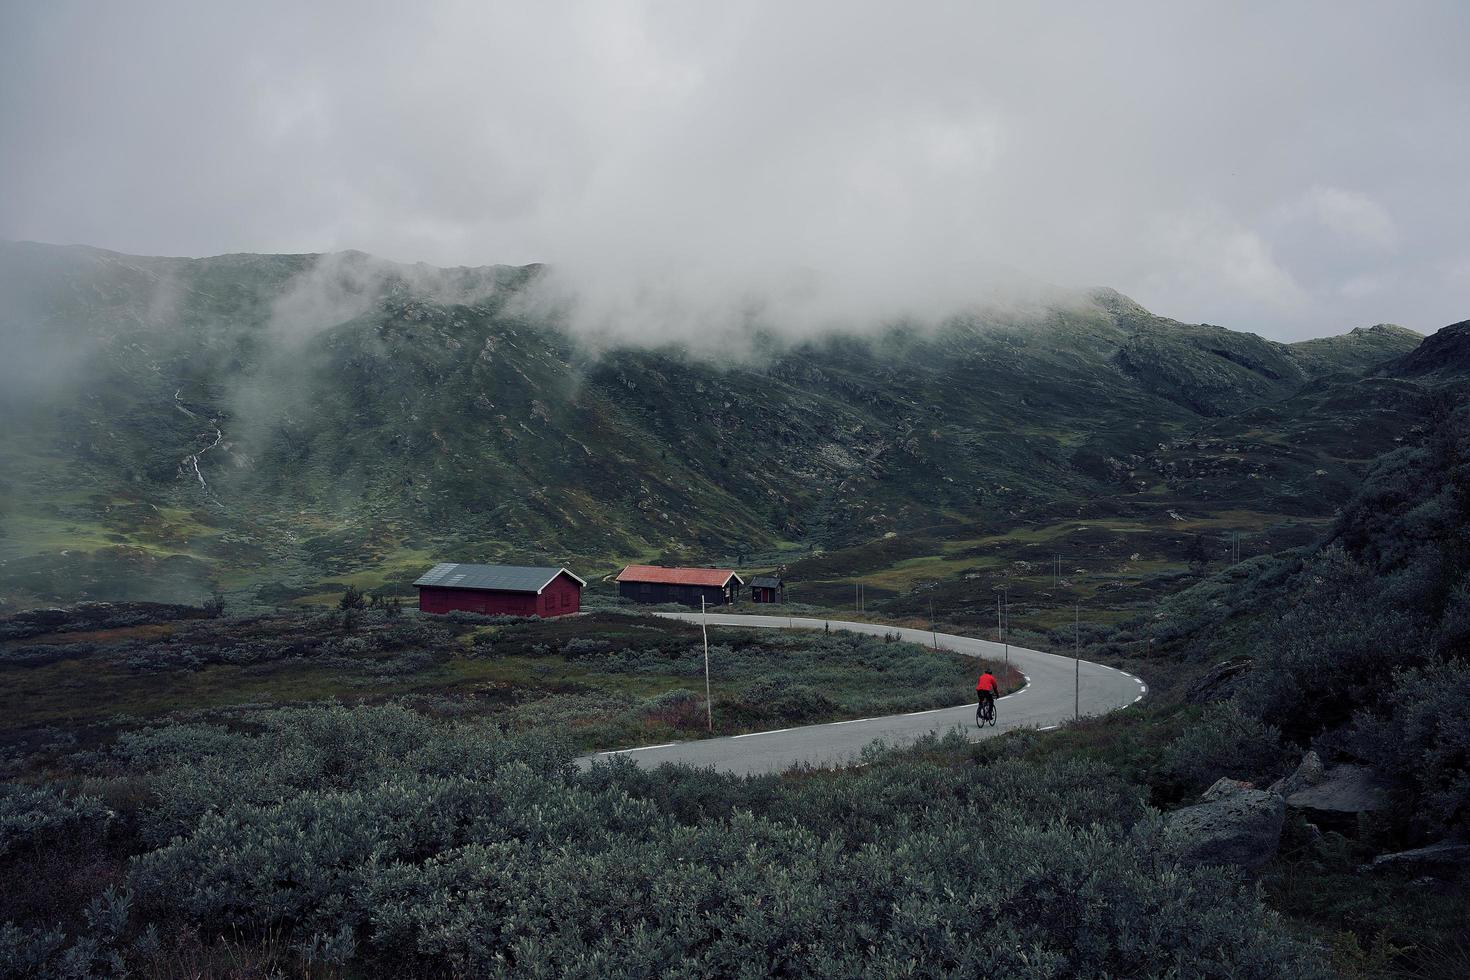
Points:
[(986, 689)]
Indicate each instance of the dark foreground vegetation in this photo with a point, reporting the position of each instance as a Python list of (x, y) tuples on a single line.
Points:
[(377, 842), (1356, 648)]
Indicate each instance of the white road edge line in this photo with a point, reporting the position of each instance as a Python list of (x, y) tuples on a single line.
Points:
[(1049, 728), (771, 732), (638, 748)]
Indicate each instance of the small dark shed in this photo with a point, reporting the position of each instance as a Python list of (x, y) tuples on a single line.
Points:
[(652, 583), (510, 590), (767, 588)]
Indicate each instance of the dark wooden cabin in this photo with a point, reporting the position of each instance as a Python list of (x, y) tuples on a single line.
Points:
[(651, 583), (509, 590), (767, 588)]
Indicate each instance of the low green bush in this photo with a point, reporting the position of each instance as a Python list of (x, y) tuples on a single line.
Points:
[(1332, 651), (372, 838), (1225, 741), (1421, 740), (33, 817)]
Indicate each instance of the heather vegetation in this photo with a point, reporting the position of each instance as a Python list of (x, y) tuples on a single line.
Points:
[(1357, 647), (604, 680), (375, 841)]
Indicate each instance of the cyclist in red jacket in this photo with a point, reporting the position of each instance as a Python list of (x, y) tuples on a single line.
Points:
[(986, 688)]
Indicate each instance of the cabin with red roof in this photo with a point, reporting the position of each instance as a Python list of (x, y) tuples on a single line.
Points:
[(506, 590), (653, 584)]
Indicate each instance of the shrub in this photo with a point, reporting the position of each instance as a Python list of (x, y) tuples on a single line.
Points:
[(1225, 741), (197, 769), (679, 708), (44, 952), (1422, 741), (437, 862), (32, 817), (583, 646), (1315, 661), (778, 697)]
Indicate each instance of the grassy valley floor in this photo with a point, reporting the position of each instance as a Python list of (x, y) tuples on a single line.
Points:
[(603, 680)]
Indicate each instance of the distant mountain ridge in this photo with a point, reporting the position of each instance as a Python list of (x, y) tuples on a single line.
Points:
[(278, 417), (1445, 352)]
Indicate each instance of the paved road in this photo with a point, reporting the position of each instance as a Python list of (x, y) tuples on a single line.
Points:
[(1045, 701)]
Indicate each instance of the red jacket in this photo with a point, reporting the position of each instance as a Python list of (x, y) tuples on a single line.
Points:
[(987, 682)]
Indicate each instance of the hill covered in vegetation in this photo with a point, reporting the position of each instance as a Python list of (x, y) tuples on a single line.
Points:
[(265, 424)]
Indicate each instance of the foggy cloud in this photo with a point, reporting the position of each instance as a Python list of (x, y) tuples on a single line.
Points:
[(1292, 169)]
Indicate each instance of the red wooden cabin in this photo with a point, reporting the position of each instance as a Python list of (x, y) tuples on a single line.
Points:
[(508, 590)]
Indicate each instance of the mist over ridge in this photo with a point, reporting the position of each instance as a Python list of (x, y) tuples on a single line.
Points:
[(685, 169)]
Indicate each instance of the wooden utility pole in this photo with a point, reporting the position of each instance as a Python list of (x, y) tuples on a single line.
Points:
[(1007, 630), (1077, 663), (709, 709)]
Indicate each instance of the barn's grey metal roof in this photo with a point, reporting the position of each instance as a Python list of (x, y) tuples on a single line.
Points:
[(765, 582), (501, 578)]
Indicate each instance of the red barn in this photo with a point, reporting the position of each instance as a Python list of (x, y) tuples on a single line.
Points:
[(509, 590)]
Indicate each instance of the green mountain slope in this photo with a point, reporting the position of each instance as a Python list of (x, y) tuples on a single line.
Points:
[(262, 423)]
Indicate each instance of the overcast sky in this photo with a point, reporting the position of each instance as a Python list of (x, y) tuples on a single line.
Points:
[(1295, 169)]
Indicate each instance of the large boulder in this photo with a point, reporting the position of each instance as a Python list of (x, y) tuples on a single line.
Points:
[(1341, 789), (1446, 856), (1233, 824), (1219, 682), (1225, 787), (1308, 774)]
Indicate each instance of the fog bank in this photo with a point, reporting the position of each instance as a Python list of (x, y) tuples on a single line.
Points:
[(1292, 170)]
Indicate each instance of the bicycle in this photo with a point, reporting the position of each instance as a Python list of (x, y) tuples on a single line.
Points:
[(985, 713)]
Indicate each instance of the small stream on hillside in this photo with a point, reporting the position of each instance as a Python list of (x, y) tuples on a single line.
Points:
[(190, 463)]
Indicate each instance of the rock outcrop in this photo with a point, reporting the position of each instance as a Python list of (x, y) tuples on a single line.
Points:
[(1219, 682), (1308, 774), (1233, 823), (1341, 789), (1444, 856)]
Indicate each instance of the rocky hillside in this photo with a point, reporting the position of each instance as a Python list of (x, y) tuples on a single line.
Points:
[(264, 422)]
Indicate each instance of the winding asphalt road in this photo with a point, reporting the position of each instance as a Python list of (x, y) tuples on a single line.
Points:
[(1046, 701)]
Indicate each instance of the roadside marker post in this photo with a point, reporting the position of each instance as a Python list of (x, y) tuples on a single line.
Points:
[(709, 709), (933, 635), (1077, 663), (1006, 632)]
